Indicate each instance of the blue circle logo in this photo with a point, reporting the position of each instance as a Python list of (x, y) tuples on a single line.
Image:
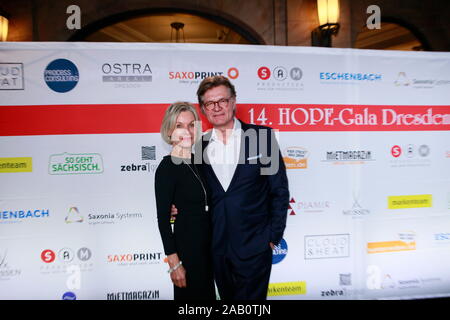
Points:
[(61, 75), (279, 252), (69, 296)]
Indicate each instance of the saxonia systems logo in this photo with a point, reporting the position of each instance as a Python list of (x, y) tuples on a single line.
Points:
[(133, 259), (280, 252), (195, 76), (18, 216), (57, 261), (286, 289), (295, 158), (410, 155), (61, 75), (11, 76), (75, 163), (406, 241), (127, 74), (12, 165), (279, 78), (147, 153), (307, 206), (408, 80), (101, 217), (7, 272), (339, 157), (327, 246), (410, 201)]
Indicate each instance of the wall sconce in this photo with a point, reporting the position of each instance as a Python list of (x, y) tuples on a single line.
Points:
[(3, 25), (328, 11), (179, 27)]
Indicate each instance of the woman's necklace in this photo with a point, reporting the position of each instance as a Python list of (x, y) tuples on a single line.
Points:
[(201, 183)]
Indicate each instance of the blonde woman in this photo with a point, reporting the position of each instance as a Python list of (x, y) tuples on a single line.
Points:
[(178, 181)]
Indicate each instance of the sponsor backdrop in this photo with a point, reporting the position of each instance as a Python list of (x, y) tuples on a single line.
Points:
[(364, 135)]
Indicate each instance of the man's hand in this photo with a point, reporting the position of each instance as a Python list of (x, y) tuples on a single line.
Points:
[(173, 213), (272, 245)]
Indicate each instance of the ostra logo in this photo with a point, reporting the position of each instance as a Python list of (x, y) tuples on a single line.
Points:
[(280, 252)]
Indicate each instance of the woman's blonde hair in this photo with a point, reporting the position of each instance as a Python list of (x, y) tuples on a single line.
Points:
[(170, 119)]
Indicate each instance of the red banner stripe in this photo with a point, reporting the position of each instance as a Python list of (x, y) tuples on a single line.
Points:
[(146, 118)]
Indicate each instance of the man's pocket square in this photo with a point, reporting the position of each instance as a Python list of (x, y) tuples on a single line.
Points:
[(255, 157)]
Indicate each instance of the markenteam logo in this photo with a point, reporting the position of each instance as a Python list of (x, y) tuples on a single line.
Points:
[(133, 295), (15, 216), (406, 242), (327, 246), (295, 158), (348, 156), (280, 252), (12, 165), (11, 76), (287, 288), (413, 201), (75, 163), (61, 75)]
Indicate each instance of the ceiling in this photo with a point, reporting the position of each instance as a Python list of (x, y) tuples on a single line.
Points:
[(157, 28)]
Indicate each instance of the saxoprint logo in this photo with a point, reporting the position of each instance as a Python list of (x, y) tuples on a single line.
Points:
[(280, 252), (75, 163), (61, 75)]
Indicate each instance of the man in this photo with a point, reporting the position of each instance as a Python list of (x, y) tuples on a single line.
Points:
[(248, 189)]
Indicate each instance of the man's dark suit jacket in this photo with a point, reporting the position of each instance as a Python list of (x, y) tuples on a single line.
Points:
[(253, 210)]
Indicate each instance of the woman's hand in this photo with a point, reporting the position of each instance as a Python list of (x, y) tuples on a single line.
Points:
[(178, 276)]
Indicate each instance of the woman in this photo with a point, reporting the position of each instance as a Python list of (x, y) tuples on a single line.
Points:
[(178, 181)]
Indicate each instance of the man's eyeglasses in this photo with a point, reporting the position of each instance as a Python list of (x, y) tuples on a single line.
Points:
[(223, 103)]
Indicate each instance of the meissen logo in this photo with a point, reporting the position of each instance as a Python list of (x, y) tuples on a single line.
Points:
[(11, 76), (73, 163), (126, 72)]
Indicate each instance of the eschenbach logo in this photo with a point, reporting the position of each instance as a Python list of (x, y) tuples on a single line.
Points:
[(15, 216), (350, 77), (61, 75)]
